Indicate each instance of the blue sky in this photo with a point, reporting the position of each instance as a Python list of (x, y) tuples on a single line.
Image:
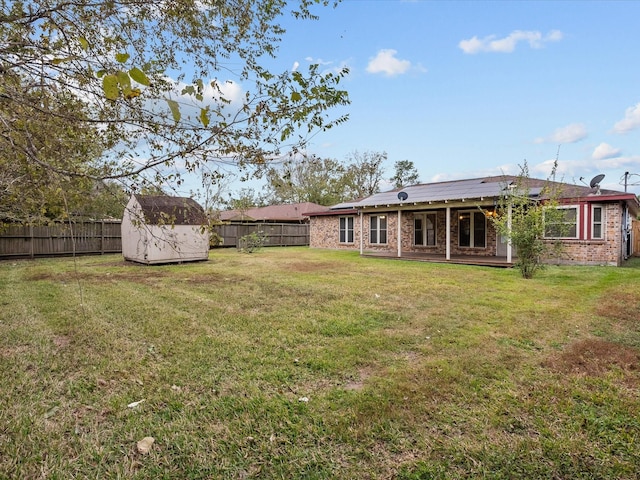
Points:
[(466, 89)]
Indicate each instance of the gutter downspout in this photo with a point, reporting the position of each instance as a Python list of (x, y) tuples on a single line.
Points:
[(399, 238), (448, 229)]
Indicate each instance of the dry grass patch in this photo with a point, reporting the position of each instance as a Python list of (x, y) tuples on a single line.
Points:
[(621, 307), (596, 357)]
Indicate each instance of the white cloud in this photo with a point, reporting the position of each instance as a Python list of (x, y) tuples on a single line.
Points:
[(570, 134), (604, 151), (331, 66), (319, 61), (631, 120), (295, 66), (386, 62), (508, 44)]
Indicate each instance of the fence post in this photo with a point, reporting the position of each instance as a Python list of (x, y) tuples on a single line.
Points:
[(31, 253)]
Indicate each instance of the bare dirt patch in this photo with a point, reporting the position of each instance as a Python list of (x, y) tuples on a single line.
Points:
[(313, 266), (14, 351), (61, 341), (137, 276), (141, 275), (595, 357), (622, 306), (209, 279), (357, 383)]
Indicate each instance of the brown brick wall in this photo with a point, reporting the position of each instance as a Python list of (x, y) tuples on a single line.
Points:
[(325, 234), (607, 251)]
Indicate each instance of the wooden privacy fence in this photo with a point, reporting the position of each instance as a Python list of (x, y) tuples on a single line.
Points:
[(19, 241), (277, 234), (60, 239), (635, 237)]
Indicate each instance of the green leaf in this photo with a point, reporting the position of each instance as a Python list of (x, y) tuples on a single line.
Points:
[(58, 61), (84, 44), (139, 76), (124, 81), (110, 87), (122, 57), (296, 97), (175, 110), (204, 116)]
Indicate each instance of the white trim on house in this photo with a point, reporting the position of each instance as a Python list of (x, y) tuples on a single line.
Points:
[(602, 223), (426, 218), (361, 232), (348, 239), (378, 229), (399, 233), (473, 215), (577, 221), (448, 233)]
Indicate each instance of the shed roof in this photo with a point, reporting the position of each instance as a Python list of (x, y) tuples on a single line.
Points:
[(163, 209)]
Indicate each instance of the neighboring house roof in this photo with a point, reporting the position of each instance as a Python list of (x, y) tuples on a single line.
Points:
[(165, 210), (295, 212), (478, 189)]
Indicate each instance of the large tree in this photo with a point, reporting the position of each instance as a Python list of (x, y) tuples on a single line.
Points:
[(166, 87), (405, 174), (307, 179), (38, 146), (365, 173)]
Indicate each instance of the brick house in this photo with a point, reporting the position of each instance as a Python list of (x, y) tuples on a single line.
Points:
[(447, 221)]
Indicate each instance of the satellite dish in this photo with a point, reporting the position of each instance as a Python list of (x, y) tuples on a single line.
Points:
[(402, 196), (595, 181)]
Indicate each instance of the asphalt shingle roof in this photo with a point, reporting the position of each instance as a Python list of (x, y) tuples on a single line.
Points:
[(162, 209), (458, 190), (295, 212)]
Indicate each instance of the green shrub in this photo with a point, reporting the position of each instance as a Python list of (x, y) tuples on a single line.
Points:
[(252, 242)]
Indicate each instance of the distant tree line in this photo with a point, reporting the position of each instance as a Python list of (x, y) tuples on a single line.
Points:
[(325, 181)]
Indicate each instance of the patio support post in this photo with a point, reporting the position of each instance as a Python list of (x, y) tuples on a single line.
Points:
[(361, 232), (448, 230), (399, 236), (509, 218)]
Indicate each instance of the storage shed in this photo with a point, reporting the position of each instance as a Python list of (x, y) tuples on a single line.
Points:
[(163, 229)]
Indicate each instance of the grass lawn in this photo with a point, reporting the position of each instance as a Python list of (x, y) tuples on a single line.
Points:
[(297, 363)]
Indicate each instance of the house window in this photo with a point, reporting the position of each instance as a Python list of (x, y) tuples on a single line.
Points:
[(564, 224), (424, 229), (597, 217), (472, 229), (346, 229), (378, 230)]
